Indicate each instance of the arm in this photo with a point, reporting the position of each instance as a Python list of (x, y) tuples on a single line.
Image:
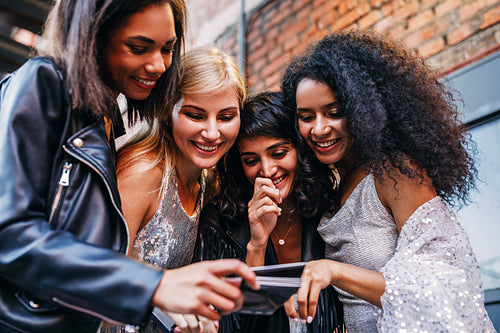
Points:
[(400, 201), (263, 212), (53, 264)]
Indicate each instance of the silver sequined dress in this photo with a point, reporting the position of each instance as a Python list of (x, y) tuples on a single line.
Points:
[(168, 240), (432, 277)]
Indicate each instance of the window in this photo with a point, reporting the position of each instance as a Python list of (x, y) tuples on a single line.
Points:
[(479, 87)]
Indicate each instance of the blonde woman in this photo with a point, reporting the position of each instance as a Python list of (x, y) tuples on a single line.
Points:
[(163, 172)]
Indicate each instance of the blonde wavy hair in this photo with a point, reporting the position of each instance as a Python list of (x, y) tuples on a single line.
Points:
[(205, 70)]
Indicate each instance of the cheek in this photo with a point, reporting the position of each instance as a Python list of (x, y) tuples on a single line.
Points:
[(304, 129), (167, 61)]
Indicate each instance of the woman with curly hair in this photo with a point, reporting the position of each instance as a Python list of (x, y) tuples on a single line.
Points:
[(273, 193), (390, 131)]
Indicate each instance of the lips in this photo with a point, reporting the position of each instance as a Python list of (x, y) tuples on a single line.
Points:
[(278, 180), (206, 148), (326, 144), (144, 82)]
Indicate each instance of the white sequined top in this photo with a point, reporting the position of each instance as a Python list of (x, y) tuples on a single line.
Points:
[(432, 277), (168, 240)]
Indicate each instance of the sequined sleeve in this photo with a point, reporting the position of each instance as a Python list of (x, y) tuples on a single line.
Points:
[(433, 281)]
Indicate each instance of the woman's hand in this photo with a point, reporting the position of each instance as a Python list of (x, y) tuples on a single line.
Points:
[(263, 211), (201, 289), (316, 276), (290, 309), (188, 323), (363, 283)]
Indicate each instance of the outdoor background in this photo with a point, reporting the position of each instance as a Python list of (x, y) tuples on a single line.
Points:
[(459, 38)]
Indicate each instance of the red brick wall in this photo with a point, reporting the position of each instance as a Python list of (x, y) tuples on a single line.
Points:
[(445, 32)]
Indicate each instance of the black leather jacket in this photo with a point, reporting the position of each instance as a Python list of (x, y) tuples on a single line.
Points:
[(220, 237), (60, 215)]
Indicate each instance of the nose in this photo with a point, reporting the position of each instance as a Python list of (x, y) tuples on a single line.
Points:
[(156, 64), (267, 168), (320, 126), (211, 130)]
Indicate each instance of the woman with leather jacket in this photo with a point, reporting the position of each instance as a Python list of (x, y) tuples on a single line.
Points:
[(62, 233), (273, 193)]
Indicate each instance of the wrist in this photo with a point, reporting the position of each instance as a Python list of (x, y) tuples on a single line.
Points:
[(256, 247)]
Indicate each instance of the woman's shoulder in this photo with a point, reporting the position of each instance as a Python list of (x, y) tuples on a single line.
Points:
[(143, 171)]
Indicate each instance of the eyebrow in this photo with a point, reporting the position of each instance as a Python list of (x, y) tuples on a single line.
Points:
[(149, 40), (231, 108), (276, 145)]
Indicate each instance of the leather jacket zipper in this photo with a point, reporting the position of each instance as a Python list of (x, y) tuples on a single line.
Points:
[(63, 182), (106, 183)]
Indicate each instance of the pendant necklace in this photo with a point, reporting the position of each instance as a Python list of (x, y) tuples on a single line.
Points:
[(281, 240)]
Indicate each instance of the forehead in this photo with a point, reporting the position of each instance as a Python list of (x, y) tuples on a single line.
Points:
[(314, 92), (226, 97), (260, 144)]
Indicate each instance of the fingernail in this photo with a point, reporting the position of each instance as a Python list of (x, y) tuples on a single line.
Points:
[(309, 319), (296, 320), (303, 321)]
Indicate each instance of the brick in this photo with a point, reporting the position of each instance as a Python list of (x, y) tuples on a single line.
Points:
[(255, 54), (371, 19), (291, 43), (459, 34), (346, 5), (432, 47), (422, 35), (298, 4), (398, 32), (274, 53), (406, 11), (272, 82), (271, 68), (350, 17), (326, 22), (491, 17), (420, 20), (320, 11), (425, 4), (446, 7), (472, 9), (291, 30)]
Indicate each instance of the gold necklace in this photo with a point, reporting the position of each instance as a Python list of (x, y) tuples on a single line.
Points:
[(281, 240)]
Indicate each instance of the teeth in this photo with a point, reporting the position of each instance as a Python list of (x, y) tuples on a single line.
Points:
[(146, 82), (326, 144), (276, 181), (206, 148)]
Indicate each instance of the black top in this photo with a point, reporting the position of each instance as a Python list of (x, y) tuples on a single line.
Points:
[(220, 237)]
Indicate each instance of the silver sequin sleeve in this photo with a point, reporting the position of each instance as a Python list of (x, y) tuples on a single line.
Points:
[(433, 282)]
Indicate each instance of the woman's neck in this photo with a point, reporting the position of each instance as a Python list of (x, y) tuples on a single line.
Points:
[(188, 186)]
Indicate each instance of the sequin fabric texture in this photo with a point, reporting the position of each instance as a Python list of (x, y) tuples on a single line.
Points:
[(433, 282), (432, 277), (168, 240)]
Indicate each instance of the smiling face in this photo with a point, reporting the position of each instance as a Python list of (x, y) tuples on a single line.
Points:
[(321, 123), (140, 51), (204, 127), (272, 158)]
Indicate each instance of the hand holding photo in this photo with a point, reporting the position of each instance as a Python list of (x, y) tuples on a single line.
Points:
[(277, 284)]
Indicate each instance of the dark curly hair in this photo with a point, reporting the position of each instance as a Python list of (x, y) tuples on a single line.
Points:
[(265, 114), (397, 110)]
